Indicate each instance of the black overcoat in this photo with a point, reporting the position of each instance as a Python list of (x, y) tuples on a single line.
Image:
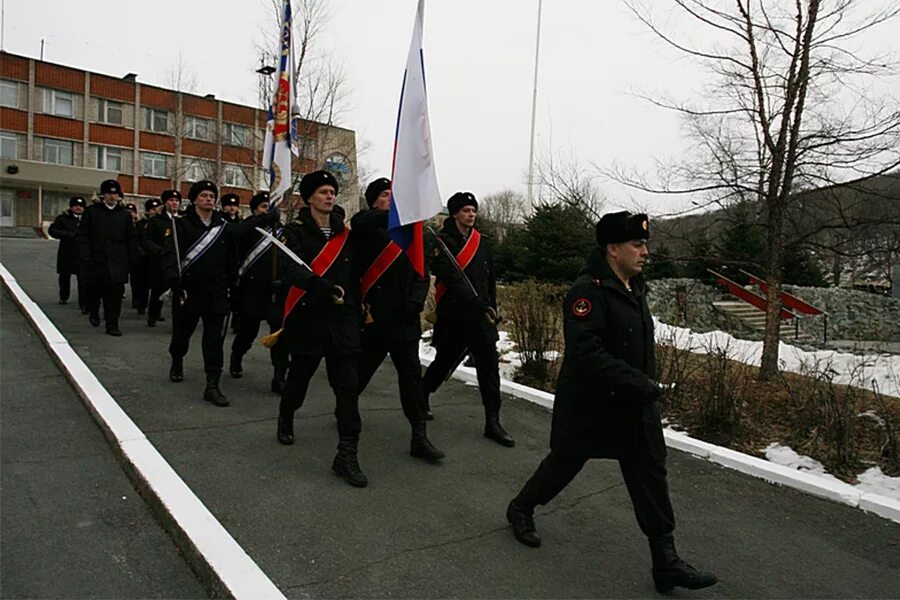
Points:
[(396, 299), (209, 280), (65, 228), (316, 326), (459, 312), (256, 293), (107, 244), (606, 402), (153, 242)]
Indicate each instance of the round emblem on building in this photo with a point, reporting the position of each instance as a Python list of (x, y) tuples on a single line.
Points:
[(581, 307), (339, 165)]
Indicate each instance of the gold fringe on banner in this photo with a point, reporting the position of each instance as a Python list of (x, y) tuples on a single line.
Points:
[(270, 340)]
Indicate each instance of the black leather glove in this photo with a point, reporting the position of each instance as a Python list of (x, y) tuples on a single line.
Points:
[(320, 291)]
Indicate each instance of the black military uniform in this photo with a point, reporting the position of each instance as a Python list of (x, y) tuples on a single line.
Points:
[(107, 248), (64, 229), (154, 244), (392, 306), (466, 321), (607, 405), (260, 296), (317, 327), (232, 218), (200, 289), (140, 272)]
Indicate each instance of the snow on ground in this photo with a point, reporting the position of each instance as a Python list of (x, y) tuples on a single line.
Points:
[(882, 371), (879, 372)]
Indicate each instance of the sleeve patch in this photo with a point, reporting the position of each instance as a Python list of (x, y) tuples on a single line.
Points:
[(582, 307)]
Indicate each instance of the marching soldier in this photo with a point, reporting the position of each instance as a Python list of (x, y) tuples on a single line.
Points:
[(322, 317), (107, 248), (154, 244), (231, 208), (65, 228), (201, 265), (259, 294), (140, 272), (466, 297), (607, 400), (393, 295)]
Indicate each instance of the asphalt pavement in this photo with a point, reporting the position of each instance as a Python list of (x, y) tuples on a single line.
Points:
[(422, 530)]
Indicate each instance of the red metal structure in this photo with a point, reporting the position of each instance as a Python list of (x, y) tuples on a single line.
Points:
[(787, 299), (748, 296)]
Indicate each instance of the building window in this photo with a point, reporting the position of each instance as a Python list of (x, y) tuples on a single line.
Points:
[(236, 135), (196, 169), (58, 152), (196, 128), (111, 159), (156, 120), (59, 103), (234, 176), (153, 165), (9, 93), (110, 112), (9, 145)]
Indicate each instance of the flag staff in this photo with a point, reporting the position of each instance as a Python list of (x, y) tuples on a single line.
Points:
[(537, 51)]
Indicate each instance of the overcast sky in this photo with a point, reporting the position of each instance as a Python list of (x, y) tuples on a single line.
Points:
[(479, 60)]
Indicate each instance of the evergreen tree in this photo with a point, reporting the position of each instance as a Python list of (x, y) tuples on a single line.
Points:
[(660, 264), (742, 246)]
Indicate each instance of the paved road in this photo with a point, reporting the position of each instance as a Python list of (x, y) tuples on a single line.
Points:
[(431, 531)]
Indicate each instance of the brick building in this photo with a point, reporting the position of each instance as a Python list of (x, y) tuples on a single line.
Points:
[(64, 130)]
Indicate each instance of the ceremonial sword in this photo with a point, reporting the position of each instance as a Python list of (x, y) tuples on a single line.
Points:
[(338, 299), (183, 296)]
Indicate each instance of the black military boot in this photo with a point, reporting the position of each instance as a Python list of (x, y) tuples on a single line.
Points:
[(235, 367), (113, 330), (94, 317), (425, 407), (493, 430), (522, 520), (212, 393), (670, 571), (286, 428), (278, 377), (176, 371), (346, 463), (421, 446)]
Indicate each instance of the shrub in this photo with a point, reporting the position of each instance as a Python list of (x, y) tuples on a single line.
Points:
[(532, 310)]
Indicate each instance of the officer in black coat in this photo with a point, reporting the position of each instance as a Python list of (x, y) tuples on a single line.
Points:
[(140, 272), (466, 319), (259, 294), (325, 321), (64, 229), (107, 248), (606, 402), (231, 208), (393, 301), (201, 267), (153, 243)]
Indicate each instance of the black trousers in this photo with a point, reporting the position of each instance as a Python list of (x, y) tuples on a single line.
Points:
[(248, 329), (155, 303), (183, 325), (65, 289), (343, 377), (110, 294), (487, 368), (140, 288), (644, 477), (405, 356)]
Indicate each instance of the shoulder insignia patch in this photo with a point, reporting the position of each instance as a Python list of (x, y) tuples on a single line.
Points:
[(581, 307)]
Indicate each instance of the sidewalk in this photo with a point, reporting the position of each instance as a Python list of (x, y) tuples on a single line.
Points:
[(431, 531)]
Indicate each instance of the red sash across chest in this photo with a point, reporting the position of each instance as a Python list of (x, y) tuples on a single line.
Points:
[(463, 259), (320, 265), (382, 263)]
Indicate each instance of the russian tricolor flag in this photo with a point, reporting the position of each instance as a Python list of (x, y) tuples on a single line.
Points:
[(414, 189)]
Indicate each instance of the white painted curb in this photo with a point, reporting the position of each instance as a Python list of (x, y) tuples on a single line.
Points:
[(809, 483), (223, 566)]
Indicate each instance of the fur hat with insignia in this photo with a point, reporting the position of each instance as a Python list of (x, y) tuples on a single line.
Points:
[(231, 200), (460, 199), (618, 227), (202, 186), (151, 204), (111, 186), (374, 189), (76, 201), (170, 194), (257, 199), (313, 181)]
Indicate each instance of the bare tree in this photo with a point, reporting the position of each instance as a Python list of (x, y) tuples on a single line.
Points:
[(564, 179), (790, 106), (504, 209)]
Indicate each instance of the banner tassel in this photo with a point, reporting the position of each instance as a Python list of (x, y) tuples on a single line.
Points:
[(270, 340)]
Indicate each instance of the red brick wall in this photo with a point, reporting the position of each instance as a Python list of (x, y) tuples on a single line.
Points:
[(126, 181), (157, 98), (58, 127), (232, 113), (114, 89), (115, 136), (160, 143), (244, 156), (61, 78), (13, 120), (13, 67), (153, 187), (199, 149), (192, 105)]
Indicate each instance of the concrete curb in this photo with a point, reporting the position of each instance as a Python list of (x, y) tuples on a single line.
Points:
[(836, 491), (223, 567)]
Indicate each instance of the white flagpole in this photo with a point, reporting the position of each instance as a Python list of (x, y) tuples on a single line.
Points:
[(537, 51)]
